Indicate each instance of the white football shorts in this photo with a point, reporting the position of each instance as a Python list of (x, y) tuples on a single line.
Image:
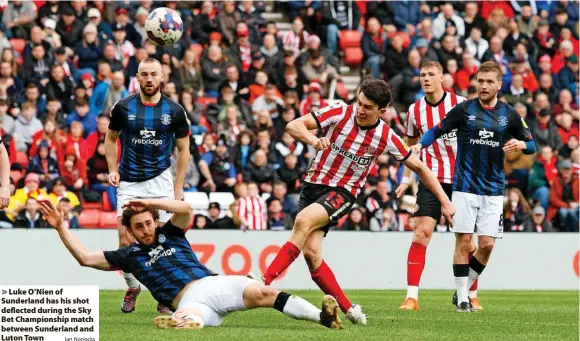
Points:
[(481, 214), (215, 297), (160, 187)]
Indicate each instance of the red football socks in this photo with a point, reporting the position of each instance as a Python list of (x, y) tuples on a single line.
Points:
[(326, 281), (415, 263), (287, 254)]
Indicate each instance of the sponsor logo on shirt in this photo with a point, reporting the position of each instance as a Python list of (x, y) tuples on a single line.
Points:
[(485, 139), (361, 160)]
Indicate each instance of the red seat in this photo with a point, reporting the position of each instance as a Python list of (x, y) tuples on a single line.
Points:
[(353, 56), (106, 203), (22, 159), (342, 90), (350, 38), (91, 205), (108, 220), (197, 49), (16, 176), (18, 44), (89, 218), (205, 101)]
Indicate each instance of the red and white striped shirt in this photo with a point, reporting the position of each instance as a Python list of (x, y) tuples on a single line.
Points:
[(353, 150), (253, 211), (440, 156)]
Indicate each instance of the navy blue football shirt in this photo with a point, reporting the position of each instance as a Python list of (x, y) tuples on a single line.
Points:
[(148, 133)]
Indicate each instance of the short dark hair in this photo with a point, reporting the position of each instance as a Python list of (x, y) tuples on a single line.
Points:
[(103, 116), (81, 102), (378, 91), (52, 99), (129, 213), (279, 183), (31, 85), (67, 200)]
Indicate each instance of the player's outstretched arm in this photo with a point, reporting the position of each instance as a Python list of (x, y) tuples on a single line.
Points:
[(85, 257), (181, 210), (4, 177), (453, 120), (432, 183), (407, 172), (300, 129)]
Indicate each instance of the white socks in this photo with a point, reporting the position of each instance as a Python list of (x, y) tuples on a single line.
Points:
[(413, 292), (300, 309), (131, 281), (461, 285)]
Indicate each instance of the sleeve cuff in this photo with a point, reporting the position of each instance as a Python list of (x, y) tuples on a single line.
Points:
[(317, 123), (407, 156)]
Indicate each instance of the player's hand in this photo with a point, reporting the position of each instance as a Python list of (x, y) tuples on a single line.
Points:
[(114, 178), (321, 143), (137, 204), (51, 214), (178, 193), (416, 149), (401, 190), (448, 211), (4, 197), (514, 145)]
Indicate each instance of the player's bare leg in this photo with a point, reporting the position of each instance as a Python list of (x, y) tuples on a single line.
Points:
[(477, 264), (475, 302), (323, 276), (308, 220), (259, 296), (463, 245), (130, 299)]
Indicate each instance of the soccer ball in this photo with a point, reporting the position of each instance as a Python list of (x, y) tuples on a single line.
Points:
[(164, 26)]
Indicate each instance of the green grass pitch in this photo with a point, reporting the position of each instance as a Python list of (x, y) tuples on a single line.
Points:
[(508, 315)]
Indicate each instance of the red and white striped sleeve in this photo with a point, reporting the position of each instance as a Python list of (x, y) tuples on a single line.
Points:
[(329, 115), (411, 129), (397, 147)]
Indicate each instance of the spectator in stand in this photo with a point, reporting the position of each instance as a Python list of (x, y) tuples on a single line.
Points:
[(122, 18), (296, 38), (69, 27), (104, 29), (564, 198), (274, 57), (18, 16), (280, 192), (565, 105), (291, 82), (290, 173), (467, 71), (124, 49), (242, 150), (73, 171), (61, 88), (75, 140), (568, 76), (374, 45), (25, 127), (110, 56), (545, 131), (93, 138), (395, 57), (278, 220), (383, 11), (257, 66), (269, 101), (49, 10), (379, 200), (69, 215), (253, 19), (228, 18), (216, 112), (107, 93), (407, 16), (216, 220), (387, 222), (570, 148), (35, 39), (526, 21), (540, 104), (242, 51), (98, 173), (566, 34), (565, 127), (564, 53), (36, 69), (231, 127), (260, 171), (252, 210), (32, 95), (204, 23), (450, 49), (544, 39), (61, 59), (10, 86), (542, 175), (316, 69), (219, 173), (427, 53), (44, 164), (314, 98), (213, 71), (338, 16), (54, 112), (560, 22), (84, 115), (59, 191), (411, 82), (190, 73), (517, 93), (287, 145), (6, 119), (234, 81), (140, 19), (264, 122), (516, 212), (539, 221), (355, 221), (476, 45), (31, 189), (447, 17), (9, 57), (30, 216)]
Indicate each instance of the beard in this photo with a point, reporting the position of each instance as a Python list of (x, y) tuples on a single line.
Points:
[(150, 91)]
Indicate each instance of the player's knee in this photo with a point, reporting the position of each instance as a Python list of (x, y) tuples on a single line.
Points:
[(257, 296), (486, 245), (301, 223), (422, 235)]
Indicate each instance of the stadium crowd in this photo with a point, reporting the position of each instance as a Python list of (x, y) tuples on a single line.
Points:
[(64, 65)]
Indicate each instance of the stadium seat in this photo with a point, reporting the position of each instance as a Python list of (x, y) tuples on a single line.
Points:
[(18, 45), (350, 41), (197, 200), (89, 218), (91, 205), (205, 101), (16, 175), (107, 220), (22, 159), (106, 203), (341, 88), (225, 199)]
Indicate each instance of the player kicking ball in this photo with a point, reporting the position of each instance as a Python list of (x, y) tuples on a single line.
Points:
[(440, 158), (352, 137), (150, 125), (162, 259), (486, 129)]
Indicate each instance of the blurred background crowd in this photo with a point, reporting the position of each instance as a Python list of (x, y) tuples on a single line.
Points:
[(244, 69)]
